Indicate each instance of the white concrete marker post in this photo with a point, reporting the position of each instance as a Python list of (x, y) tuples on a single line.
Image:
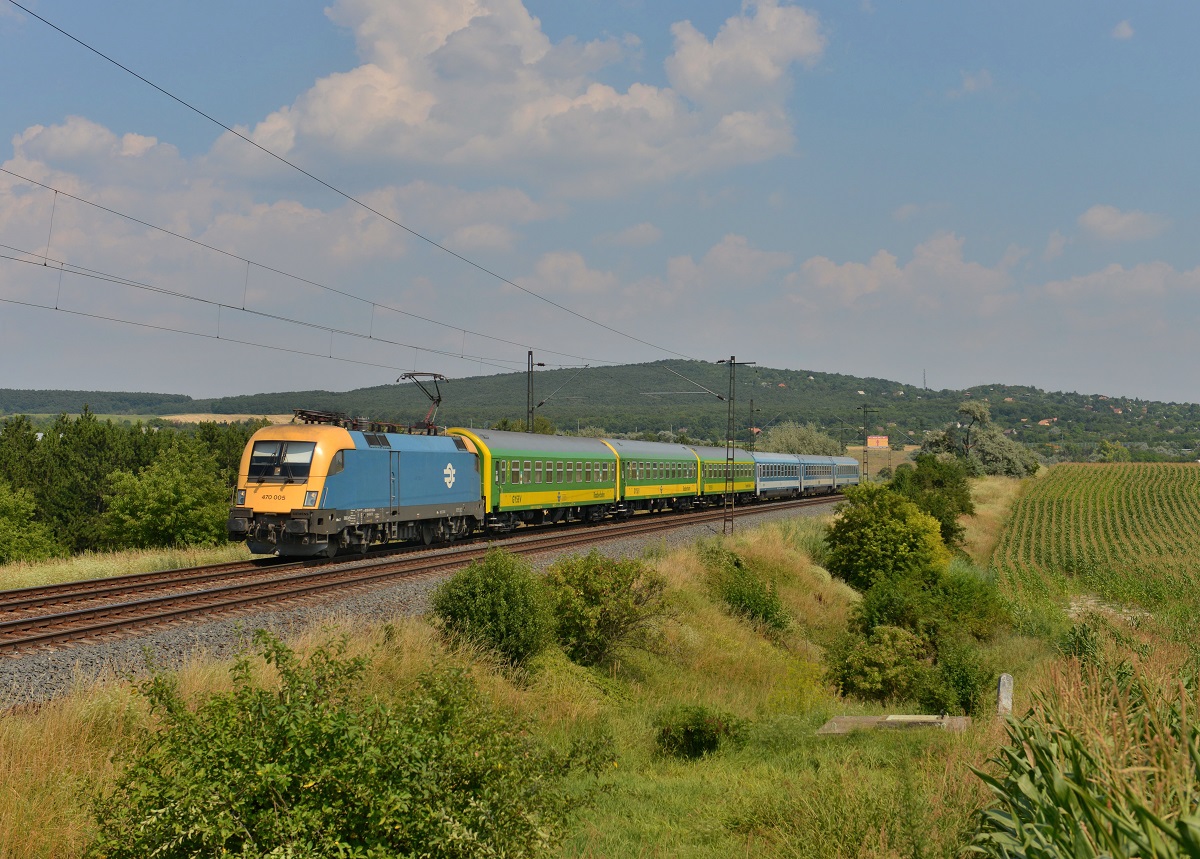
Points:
[(1004, 692)]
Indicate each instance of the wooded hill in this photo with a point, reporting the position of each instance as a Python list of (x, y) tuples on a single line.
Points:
[(669, 396)]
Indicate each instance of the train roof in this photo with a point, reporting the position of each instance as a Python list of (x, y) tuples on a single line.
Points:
[(773, 456), (652, 449), (708, 454), (503, 443)]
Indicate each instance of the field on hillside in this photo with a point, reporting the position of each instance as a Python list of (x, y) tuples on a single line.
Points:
[(1122, 533), (202, 417)]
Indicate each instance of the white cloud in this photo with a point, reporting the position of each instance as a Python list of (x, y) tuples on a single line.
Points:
[(138, 175), (1055, 245), (748, 58), (567, 273), (973, 83), (637, 236), (937, 278), (1115, 283), (477, 85), (481, 237), (1111, 224), (1123, 30)]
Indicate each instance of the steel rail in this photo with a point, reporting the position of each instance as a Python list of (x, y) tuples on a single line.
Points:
[(166, 608)]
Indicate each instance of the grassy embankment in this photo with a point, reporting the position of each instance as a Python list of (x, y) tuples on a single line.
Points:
[(782, 791)]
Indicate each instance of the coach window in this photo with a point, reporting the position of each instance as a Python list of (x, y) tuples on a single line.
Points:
[(587, 471), (537, 472), (527, 473), (559, 469)]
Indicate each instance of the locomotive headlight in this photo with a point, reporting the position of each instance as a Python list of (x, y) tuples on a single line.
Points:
[(310, 499), (241, 498)]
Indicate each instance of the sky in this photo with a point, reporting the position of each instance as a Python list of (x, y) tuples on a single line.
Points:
[(964, 193)]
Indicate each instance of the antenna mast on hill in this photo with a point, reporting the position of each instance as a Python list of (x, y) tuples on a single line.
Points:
[(435, 397)]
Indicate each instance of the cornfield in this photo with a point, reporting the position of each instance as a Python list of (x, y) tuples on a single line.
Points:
[(1126, 533)]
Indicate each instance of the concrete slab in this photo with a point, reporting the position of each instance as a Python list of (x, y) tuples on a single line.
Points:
[(849, 724)]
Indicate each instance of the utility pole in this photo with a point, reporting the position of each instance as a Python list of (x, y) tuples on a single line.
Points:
[(753, 434), (730, 447), (529, 393), (866, 410)]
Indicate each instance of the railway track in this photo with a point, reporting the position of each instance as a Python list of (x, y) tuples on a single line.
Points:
[(93, 610)]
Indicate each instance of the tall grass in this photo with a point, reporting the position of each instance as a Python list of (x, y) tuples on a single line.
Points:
[(99, 565)]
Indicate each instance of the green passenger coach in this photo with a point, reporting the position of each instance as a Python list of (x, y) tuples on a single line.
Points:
[(531, 478), (714, 466), (656, 476)]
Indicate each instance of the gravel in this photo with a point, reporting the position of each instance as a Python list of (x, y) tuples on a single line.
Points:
[(37, 676)]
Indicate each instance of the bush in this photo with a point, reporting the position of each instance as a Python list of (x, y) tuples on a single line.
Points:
[(693, 731), (877, 533), (499, 603), (962, 681), (743, 591), (310, 768), (600, 604), (178, 500), (939, 487), (970, 601), (22, 537), (888, 664)]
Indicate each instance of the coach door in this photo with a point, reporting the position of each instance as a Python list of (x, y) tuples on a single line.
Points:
[(394, 456)]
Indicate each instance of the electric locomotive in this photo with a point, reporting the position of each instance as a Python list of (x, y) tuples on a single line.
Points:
[(314, 489)]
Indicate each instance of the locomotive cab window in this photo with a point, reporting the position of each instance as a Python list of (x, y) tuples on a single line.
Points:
[(338, 463), (281, 460)]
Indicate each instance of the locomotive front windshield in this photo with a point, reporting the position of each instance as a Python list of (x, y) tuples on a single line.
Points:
[(285, 460)]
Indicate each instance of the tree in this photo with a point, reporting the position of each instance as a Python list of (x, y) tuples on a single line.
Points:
[(996, 453), (1113, 451), (987, 451), (878, 534), (18, 452), (976, 413), (937, 485), (226, 442), (22, 538), (791, 437), (178, 500), (541, 425)]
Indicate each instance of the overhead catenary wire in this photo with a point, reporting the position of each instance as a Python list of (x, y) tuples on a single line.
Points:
[(347, 196), (298, 278), (29, 258)]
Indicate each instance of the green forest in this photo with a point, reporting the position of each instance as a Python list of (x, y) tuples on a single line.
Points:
[(83, 484), (680, 397)]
